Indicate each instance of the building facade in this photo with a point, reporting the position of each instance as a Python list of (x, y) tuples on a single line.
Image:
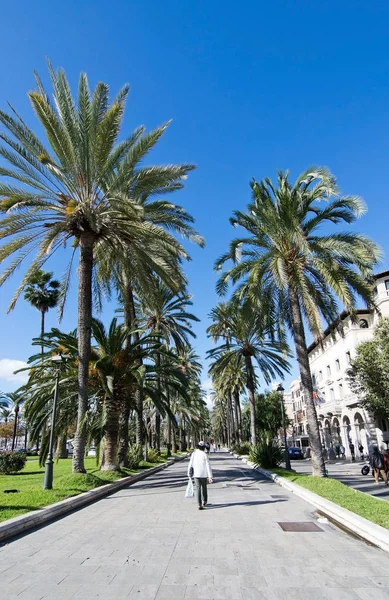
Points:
[(341, 418)]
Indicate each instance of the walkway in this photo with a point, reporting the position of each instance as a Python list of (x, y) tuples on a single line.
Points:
[(148, 541), (350, 474)]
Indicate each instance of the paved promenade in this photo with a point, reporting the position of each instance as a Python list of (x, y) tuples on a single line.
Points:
[(149, 542)]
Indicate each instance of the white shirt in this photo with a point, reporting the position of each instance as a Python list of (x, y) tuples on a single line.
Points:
[(200, 463)]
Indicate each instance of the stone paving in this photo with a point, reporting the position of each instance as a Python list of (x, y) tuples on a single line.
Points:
[(149, 542)]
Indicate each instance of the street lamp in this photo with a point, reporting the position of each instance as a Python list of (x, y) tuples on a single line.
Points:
[(57, 362), (281, 390)]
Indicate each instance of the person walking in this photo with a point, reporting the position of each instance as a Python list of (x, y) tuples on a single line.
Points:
[(342, 451), (352, 451), (361, 454), (200, 469), (386, 461), (377, 463)]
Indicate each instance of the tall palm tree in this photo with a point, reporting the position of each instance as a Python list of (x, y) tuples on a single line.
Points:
[(83, 187), (42, 293), (165, 314), (252, 340), (284, 261), (11, 406)]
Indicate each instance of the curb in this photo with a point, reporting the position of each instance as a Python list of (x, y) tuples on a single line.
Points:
[(345, 519), (41, 516)]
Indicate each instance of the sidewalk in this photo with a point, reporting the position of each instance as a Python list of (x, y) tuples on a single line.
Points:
[(148, 541)]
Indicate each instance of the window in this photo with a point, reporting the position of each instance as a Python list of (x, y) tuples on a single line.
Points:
[(387, 284), (363, 324), (348, 358), (340, 390), (328, 371), (320, 377), (376, 290), (337, 362), (313, 380), (332, 395)]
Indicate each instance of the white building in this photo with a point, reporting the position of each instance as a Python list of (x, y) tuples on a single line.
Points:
[(341, 418)]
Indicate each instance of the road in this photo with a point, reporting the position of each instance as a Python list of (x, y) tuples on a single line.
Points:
[(350, 474), (148, 542)]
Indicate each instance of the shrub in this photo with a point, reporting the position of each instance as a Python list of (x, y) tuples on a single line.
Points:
[(243, 449), (12, 462), (153, 456), (135, 456), (266, 454)]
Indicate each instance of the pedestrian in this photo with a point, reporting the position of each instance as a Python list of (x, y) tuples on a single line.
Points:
[(214, 447), (218, 447), (352, 451), (342, 451), (207, 447), (200, 469), (378, 465), (337, 450), (386, 461), (361, 454)]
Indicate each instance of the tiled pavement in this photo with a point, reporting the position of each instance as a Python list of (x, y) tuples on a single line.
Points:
[(148, 541)]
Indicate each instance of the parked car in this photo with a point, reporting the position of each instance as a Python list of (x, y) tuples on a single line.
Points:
[(92, 451), (295, 453)]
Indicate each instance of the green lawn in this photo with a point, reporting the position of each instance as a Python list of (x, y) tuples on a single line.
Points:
[(359, 503), (29, 483)]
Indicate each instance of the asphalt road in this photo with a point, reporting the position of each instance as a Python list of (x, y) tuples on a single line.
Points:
[(350, 474)]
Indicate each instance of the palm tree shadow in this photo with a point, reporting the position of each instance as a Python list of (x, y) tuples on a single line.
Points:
[(253, 503)]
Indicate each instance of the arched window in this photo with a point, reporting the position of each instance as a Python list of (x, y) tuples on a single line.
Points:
[(363, 324)]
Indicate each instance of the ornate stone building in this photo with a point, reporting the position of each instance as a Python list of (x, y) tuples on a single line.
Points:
[(341, 418)]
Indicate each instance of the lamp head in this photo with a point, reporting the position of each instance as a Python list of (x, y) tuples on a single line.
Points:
[(58, 359), (280, 388)]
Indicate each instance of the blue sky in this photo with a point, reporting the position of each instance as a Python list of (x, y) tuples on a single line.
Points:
[(251, 87)]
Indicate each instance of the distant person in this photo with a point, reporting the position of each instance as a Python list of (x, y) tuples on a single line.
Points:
[(386, 461), (377, 463), (342, 451), (214, 447), (200, 469), (352, 451), (361, 454), (218, 447), (337, 450), (207, 447)]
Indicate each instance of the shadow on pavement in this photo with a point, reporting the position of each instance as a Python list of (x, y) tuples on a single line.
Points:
[(213, 506)]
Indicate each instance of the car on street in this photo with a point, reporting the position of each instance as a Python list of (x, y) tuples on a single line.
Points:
[(295, 453)]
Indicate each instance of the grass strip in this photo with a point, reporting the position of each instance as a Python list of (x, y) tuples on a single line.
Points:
[(31, 496), (361, 504)]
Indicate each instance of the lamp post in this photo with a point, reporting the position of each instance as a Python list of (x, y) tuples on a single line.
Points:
[(280, 389), (57, 361)]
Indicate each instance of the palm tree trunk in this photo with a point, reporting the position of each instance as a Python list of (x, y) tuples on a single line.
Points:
[(124, 433), (157, 415), (84, 342), (130, 321), (251, 395), (318, 464), (235, 394), (42, 332), (15, 427), (111, 447)]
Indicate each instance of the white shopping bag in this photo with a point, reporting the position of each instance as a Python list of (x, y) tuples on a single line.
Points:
[(189, 489)]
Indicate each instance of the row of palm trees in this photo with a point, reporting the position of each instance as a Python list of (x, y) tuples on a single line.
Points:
[(289, 270), (85, 188)]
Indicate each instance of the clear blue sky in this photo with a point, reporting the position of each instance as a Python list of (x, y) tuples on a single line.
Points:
[(251, 87)]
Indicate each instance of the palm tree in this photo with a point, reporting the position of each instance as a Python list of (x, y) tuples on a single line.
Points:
[(283, 261), (82, 188), (10, 404), (42, 292), (251, 339), (164, 314)]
